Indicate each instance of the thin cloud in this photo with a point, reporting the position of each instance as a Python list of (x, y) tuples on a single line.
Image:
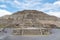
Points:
[(4, 12), (57, 14), (34, 5), (3, 6), (57, 3)]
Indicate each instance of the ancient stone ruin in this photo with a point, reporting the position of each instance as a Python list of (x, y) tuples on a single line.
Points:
[(30, 22)]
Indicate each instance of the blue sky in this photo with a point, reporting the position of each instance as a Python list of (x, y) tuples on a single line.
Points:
[(51, 7)]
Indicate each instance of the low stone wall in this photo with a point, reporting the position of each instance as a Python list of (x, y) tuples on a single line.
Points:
[(38, 31)]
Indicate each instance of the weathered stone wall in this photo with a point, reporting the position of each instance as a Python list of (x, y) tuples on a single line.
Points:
[(38, 31)]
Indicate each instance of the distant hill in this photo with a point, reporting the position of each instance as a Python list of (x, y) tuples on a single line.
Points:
[(29, 18)]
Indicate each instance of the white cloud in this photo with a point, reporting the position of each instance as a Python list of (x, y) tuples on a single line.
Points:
[(3, 6), (30, 4), (4, 12), (17, 2), (47, 6), (51, 8), (26, 4), (57, 3), (57, 14)]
